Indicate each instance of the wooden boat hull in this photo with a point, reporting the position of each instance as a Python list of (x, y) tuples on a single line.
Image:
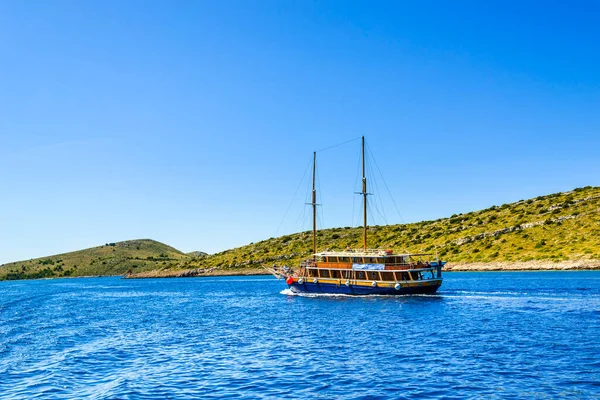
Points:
[(426, 287)]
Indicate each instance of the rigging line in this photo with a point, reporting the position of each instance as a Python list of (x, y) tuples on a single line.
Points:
[(301, 221), (377, 199), (370, 213), (359, 221), (374, 202), (373, 219), (320, 221), (320, 215), (373, 184), (386, 186), (382, 215), (337, 145), (378, 207), (355, 188), (293, 198)]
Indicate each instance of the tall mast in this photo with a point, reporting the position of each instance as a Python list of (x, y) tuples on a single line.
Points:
[(364, 193), (314, 204)]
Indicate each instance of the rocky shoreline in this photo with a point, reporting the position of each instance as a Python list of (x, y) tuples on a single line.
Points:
[(196, 272), (534, 265)]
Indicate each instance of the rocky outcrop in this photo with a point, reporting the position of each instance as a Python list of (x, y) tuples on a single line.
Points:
[(469, 239)]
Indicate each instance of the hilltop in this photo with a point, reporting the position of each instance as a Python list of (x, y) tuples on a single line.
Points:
[(557, 231), (108, 259)]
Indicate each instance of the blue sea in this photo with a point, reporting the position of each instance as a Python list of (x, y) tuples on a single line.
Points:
[(484, 335)]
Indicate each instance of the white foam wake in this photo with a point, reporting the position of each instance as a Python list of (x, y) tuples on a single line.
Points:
[(290, 292)]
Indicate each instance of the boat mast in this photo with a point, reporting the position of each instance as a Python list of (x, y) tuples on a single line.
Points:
[(364, 193), (314, 205)]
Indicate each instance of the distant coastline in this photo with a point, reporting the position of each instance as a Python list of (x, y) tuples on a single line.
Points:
[(533, 265), (554, 232), (536, 265), (528, 266)]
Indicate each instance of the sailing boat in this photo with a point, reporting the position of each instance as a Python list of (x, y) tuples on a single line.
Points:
[(362, 271)]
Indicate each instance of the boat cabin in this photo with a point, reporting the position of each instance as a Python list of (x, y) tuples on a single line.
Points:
[(375, 259), (376, 265)]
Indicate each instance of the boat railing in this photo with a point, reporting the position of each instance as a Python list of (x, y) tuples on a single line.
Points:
[(370, 275), (310, 263), (354, 252), (354, 280), (388, 268), (431, 268)]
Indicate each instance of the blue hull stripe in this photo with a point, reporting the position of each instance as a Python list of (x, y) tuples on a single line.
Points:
[(309, 287)]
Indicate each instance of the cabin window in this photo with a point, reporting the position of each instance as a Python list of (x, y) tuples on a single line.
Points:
[(374, 275), (325, 273), (360, 275)]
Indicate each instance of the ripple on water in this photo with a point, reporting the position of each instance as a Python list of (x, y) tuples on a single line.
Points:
[(484, 335)]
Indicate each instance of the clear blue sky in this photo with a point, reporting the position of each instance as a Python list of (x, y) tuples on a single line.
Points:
[(192, 122)]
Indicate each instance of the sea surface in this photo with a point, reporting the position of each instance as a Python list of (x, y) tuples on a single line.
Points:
[(485, 335)]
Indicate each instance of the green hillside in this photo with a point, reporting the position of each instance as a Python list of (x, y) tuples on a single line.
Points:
[(554, 228), (109, 259), (557, 227)]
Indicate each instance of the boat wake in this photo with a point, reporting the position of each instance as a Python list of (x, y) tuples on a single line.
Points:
[(290, 292)]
